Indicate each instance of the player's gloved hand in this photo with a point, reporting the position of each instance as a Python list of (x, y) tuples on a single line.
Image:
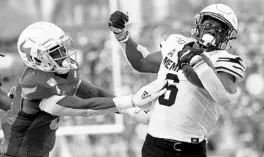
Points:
[(139, 114), (149, 92), (117, 23), (187, 53)]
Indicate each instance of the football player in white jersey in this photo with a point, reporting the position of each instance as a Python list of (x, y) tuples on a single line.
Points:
[(201, 73)]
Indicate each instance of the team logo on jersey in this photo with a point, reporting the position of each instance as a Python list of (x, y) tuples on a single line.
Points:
[(52, 82), (171, 53)]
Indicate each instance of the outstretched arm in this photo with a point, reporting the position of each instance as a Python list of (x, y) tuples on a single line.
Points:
[(138, 56), (74, 106), (87, 90)]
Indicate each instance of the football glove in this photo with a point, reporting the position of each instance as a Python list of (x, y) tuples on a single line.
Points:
[(117, 23), (149, 92), (187, 53)]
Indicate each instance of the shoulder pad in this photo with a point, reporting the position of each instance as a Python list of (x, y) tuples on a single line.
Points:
[(232, 64), (176, 38), (174, 42), (37, 85)]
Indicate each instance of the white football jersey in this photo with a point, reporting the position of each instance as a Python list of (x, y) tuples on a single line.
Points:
[(186, 112)]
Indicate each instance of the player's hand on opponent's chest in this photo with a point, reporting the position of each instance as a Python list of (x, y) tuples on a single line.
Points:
[(149, 92)]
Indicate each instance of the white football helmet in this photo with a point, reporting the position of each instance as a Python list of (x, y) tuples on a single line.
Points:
[(44, 46), (222, 13)]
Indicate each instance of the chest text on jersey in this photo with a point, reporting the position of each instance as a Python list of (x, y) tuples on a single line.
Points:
[(169, 64)]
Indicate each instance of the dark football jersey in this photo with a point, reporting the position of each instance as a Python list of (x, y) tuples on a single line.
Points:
[(34, 134)]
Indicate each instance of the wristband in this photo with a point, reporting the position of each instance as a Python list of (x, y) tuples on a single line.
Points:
[(124, 102)]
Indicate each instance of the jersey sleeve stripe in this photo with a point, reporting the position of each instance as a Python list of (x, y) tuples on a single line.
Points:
[(232, 60), (224, 69), (230, 65), (238, 68)]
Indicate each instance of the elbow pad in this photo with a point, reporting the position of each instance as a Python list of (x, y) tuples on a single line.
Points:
[(212, 84)]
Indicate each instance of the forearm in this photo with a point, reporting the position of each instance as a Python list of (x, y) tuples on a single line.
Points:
[(57, 105), (212, 84), (72, 106), (135, 53), (191, 76), (140, 58), (64, 111), (227, 83), (86, 90), (197, 61)]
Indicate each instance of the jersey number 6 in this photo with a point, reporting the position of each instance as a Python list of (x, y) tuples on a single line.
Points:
[(168, 99)]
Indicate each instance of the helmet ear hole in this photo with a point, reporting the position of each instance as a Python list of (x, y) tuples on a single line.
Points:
[(37, 60), (49, 65)]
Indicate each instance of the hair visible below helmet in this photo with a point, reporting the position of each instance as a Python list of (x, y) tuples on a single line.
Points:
[(222, 13), (44, 46)]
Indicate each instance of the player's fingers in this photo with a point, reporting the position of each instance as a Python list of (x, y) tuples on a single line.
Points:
[(159, 85), (123, 16), (118, 23), (186, 53), (160, 93)]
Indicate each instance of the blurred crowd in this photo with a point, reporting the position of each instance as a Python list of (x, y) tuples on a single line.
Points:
[(239, 132)]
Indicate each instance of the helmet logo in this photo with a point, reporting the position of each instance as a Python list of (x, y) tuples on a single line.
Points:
[(29, 48)]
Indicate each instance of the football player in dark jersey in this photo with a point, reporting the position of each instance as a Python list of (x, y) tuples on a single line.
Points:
[(50, 87)]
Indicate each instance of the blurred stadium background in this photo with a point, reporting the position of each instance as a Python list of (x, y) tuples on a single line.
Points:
[(239, 132)]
